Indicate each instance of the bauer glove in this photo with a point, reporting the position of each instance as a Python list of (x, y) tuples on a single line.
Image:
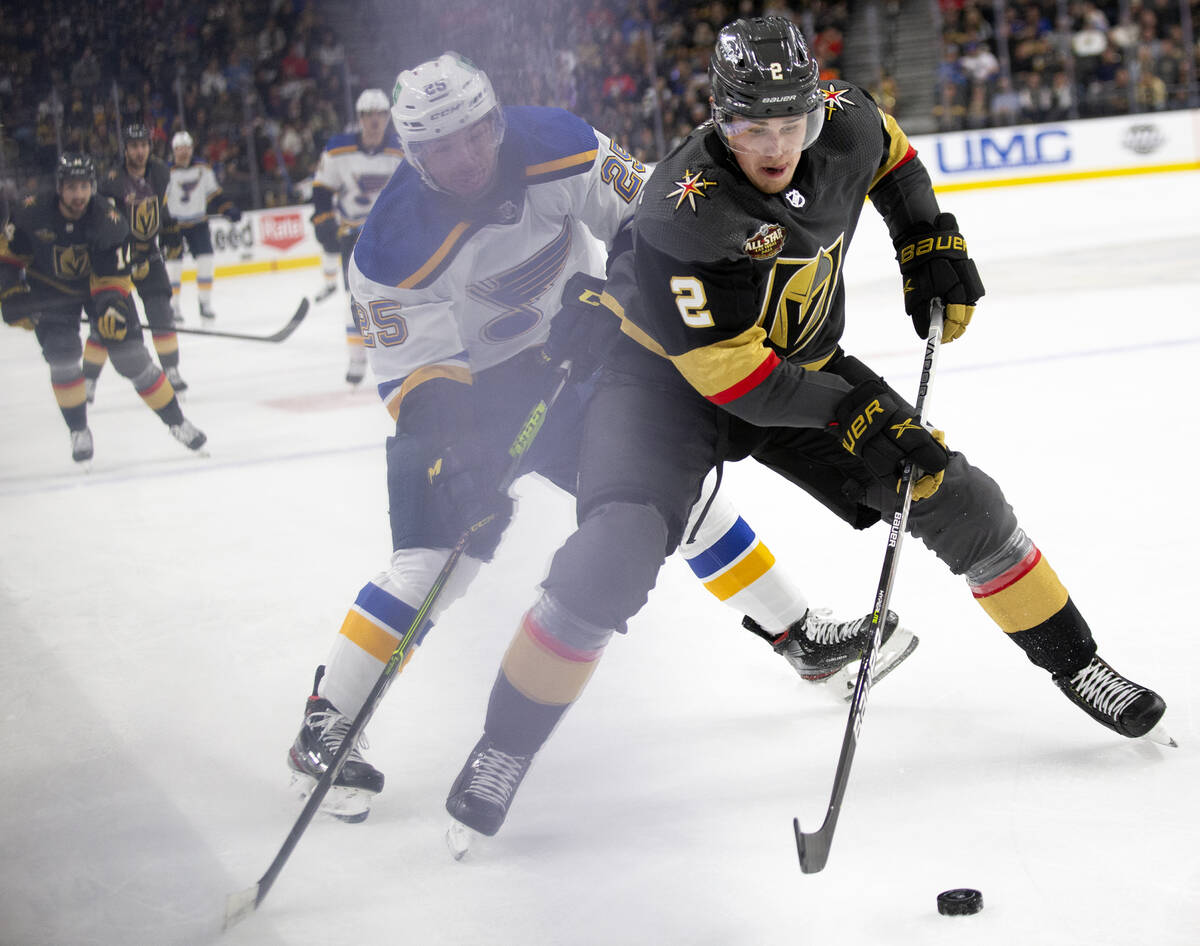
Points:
[(934, 265), (584, 330), (876, 427), (463, 495)]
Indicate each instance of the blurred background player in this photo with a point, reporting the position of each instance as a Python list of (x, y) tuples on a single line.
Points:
[(353, 169), (138, 187), (69, 253), (192, 195), (457, 279)]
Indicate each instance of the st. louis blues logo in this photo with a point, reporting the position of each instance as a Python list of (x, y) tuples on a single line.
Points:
[(836, 100), (690, 188)]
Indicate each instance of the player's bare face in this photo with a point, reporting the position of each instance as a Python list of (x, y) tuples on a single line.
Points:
[(464, 163), (183, 156), (73, 198), (137, 153), (374, 124), (768, 151)]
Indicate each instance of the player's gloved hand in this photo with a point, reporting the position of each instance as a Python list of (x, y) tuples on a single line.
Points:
[(12, 309), (111, 324), (327, 231), (463, 494), (876, 427), (934, 265), (232, 213), (584, 330), (140, 270)]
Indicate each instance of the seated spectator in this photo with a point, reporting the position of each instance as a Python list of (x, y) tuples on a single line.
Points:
[(1006, 103)]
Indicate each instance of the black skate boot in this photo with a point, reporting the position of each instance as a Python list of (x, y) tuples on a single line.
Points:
[(1123, 706), (81, 445), (316, 746), (484, 789), (176, 379), (188, 434), (827, 652)]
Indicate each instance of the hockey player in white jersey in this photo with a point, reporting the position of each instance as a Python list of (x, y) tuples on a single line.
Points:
[(353, 169), (192, 195), (456, 282)]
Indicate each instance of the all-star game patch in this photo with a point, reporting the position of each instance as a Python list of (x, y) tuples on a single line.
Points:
[(766, 242)]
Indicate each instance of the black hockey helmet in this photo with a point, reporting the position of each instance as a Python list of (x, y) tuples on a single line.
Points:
[(761, 69), (136, 132), (74, 166)]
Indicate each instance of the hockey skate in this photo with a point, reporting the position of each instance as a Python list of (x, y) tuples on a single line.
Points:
[(356, 370), (480, 797), (89, 389), (827, 652), (206, 312), (81, 445), (176, 379), (189, 435), (1123, 706), (315, 748)]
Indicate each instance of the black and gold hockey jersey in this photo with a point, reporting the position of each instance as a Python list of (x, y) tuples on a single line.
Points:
[(741, 291), (69, 261), (143, 201)]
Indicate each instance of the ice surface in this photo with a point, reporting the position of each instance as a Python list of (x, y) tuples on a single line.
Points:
[(163, 614)]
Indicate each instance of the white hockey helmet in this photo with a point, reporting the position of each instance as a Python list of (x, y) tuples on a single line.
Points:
[(372, 100), (436, 100), (181, 140)]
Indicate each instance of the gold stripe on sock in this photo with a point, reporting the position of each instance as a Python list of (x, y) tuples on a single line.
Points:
[(743, 574), (1026, 603)]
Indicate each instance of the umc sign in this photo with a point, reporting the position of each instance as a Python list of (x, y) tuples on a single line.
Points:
[(1001, 149)]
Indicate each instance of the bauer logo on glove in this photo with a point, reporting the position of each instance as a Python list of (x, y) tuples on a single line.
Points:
[(934, 265)]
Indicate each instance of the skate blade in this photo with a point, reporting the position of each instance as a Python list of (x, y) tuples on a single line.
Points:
[(891, 655), (459, 839), (351, 805), (1160, 736)]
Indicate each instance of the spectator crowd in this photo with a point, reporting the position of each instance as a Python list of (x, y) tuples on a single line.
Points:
[(262, 84)]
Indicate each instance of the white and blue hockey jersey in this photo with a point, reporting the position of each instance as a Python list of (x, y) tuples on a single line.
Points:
[(354, 176), (443, 289)]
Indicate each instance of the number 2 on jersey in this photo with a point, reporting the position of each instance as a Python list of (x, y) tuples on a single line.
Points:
[(690, 300)]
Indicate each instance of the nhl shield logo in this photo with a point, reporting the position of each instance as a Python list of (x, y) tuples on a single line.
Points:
[(766, 242)]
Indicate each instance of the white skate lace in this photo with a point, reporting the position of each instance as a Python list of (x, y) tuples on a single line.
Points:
[(495, 776), (1104, 688), (822, 629), (333, 727)]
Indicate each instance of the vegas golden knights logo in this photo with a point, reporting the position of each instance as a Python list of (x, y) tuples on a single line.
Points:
[(72, 262), (798, 297), (143, 218)]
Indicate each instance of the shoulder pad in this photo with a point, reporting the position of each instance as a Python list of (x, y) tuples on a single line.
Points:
[(551, 142)]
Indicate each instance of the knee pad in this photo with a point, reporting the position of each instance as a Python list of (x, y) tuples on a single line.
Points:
[(132, 361), (967, 520), (604, 572)]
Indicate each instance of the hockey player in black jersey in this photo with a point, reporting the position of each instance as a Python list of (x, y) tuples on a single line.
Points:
[(69, 253), (138, 187), (732, 308)]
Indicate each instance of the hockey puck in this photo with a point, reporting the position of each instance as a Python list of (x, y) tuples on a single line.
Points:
[(960, 902)]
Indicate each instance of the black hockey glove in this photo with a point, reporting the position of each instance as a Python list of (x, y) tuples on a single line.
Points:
[(584, 330), (934, 265), (881, 431), (232, 213), (14, 295), (327, 231), (463, 495)]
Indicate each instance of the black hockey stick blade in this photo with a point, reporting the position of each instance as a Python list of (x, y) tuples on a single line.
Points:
[(813, 848), (292, 324)]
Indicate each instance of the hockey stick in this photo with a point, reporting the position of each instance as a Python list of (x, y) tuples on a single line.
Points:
[(813, 846), (292, 324), (241, 904)]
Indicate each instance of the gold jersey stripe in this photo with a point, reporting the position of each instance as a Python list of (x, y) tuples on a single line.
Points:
[(440, 254), (548, 167), (452, 372), (897, 152)]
